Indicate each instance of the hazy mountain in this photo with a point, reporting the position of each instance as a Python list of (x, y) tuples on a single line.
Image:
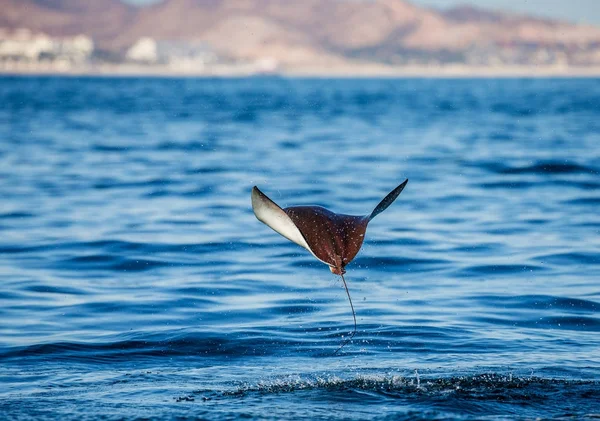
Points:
[(103, 20), (318, 31)]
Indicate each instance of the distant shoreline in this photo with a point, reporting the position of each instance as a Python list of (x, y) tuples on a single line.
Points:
[(352, 71)]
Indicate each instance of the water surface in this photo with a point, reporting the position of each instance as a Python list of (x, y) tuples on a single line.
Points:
[(137, 283)]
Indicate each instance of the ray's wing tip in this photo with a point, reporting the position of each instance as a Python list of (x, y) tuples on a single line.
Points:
[(261, 200), (400, 188), (388, 200), (256, 199), (256, 193), (404, 183)]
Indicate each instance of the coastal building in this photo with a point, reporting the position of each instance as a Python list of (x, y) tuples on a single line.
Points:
[(23, 46), (145, 50), (177, 55)]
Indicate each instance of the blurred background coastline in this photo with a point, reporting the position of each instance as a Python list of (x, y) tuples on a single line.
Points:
[(308, 38)]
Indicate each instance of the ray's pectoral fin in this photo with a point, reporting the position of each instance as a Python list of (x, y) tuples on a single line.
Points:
[(388, 200), (269, 213)]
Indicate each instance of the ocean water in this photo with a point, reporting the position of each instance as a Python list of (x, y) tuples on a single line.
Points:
[(136, 283)]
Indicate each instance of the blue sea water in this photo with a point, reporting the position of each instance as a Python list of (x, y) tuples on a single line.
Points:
[(136, 283)]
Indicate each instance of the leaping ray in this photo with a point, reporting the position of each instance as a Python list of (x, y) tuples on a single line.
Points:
[(332, 238)]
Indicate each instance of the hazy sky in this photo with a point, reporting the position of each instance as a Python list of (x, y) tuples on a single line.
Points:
[(574, 10)]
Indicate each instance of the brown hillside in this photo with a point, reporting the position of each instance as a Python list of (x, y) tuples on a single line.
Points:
[(311, 30)]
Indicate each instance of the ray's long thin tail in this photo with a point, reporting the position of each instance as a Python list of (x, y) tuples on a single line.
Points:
[(353, 316)]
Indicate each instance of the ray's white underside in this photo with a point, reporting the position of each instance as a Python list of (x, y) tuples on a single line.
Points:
[(271, 214)]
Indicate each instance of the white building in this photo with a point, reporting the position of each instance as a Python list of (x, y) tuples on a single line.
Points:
[(22, 45), (178, 55), (145, 50)]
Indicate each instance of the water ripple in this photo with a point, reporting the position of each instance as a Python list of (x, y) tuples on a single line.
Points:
[(134, 272)]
